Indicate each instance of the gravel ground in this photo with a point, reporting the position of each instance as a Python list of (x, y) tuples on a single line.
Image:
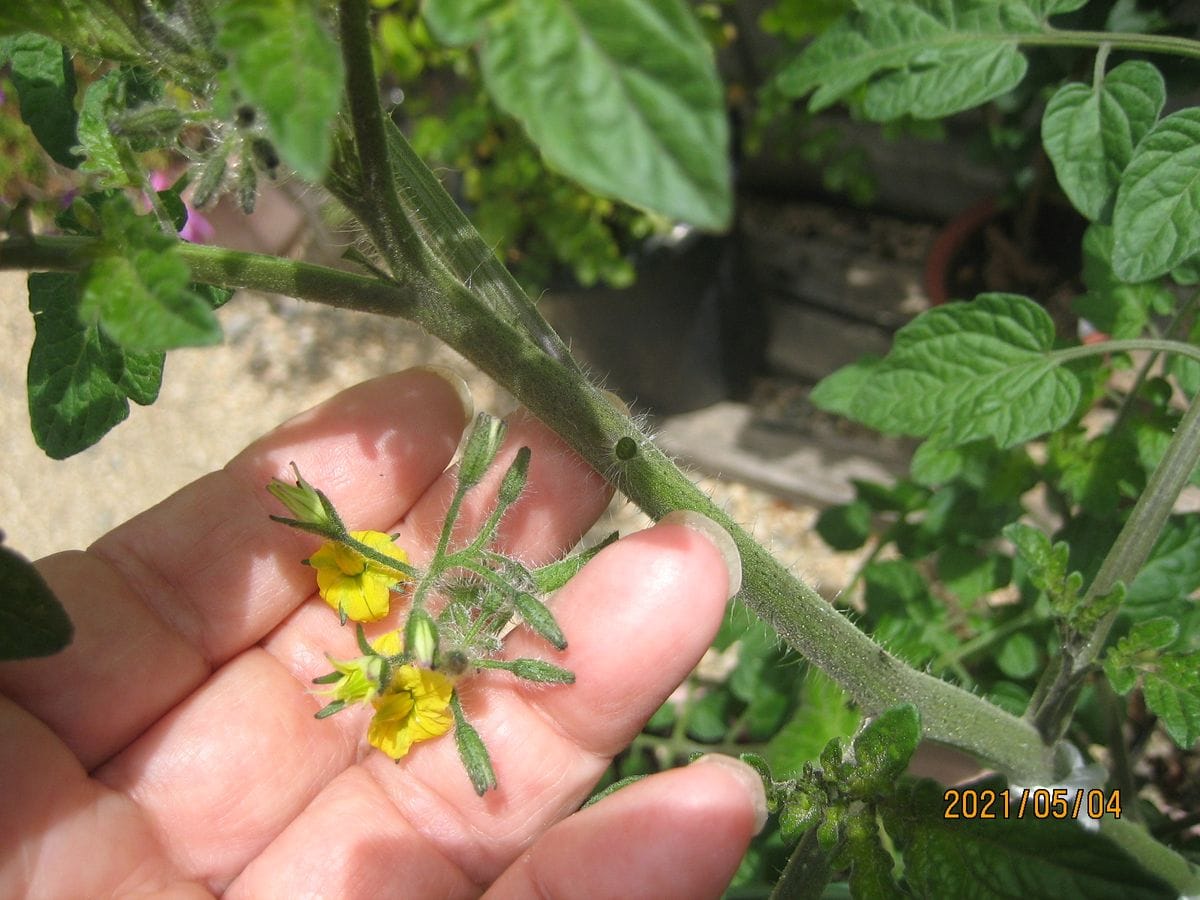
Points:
[(279, 358)]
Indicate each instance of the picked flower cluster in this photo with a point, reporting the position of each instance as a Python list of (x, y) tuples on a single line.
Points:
[(410, 676)]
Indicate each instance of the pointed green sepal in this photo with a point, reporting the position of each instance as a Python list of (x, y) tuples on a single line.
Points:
[(515, 478), (335, 707), (471, 751), (481, 449), (530, 669), (538, 617)]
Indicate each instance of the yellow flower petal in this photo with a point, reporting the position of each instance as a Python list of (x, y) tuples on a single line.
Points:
[(348, 581), (415, 708)]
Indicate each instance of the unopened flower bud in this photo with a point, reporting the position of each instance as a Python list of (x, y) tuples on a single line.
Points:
[(421, 637), (303, 501), (481, 449), (514, 478)]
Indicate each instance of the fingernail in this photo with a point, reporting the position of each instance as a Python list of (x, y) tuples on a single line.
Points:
[(748, 777), (717, 536), (459, 384)]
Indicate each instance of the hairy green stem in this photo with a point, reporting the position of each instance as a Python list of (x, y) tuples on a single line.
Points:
[(1137, 43), (1055, 697), (376, 203), (1152, 345), (585, 418), (807, 872)]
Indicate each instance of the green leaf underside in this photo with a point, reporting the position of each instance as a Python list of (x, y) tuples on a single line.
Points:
[(967, 371), (1090, 131), (32, 621), (145, 303), (1012, 857), (458, 22), (102, 156), (1172, 692), (100, 30), (621, 95), (138, 287), (283, 61), (1172, 572), (79, 380), (1158, 203), (45, 81), (922, 58)]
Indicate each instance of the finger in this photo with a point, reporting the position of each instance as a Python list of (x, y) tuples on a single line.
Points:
[(638, 618), (174, 592), (256, 711), (65, 835), (680, 834), (563, 497)]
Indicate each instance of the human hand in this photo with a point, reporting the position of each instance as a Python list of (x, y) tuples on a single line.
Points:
[(172, 749)]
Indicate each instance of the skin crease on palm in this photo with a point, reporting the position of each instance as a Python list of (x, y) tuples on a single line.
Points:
[(171, 750)]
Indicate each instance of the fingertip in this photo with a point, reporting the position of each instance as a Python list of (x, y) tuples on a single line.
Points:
[(679, 834)]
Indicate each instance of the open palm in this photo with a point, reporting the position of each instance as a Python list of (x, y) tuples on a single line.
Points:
[(172, 749)]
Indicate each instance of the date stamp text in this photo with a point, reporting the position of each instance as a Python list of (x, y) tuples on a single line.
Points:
[(1034, 803)]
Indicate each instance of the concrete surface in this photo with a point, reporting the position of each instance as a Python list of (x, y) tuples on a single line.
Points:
[(279, 358)]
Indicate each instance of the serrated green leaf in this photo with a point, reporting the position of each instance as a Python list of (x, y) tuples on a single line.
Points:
[(1119, 309), (1185, 369), (138, 288), (458, 22), (101, 151), (45, 81), (967, 573), (1151, 634), (845, 527), (1120, 672), (1089, 132), (967, 371), (1018, 657), (835, 393), (1158, 204), (823, 713), (922, 58), (141, 376), (708, 718), (284, 61), (1171, 574), (32, 621), (74, 371), (1172, 692), (645, 127), (143, 302), (934, 463), (882, 750), (1008, 856), (1095, 473), (871, 865), (97, 29)]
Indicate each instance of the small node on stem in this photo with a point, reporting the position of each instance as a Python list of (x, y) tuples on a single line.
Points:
[(625, 449)]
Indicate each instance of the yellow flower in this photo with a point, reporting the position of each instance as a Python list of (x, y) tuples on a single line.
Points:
[(349, 582), (360, 676), (416, 707)]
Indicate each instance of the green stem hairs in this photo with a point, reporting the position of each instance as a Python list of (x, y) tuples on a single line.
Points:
[(975, 381)]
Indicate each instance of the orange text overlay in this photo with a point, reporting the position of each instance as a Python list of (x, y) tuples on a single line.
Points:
[(1033, 803)]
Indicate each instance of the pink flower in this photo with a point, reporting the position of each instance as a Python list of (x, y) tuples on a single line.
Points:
[(197, 229)]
